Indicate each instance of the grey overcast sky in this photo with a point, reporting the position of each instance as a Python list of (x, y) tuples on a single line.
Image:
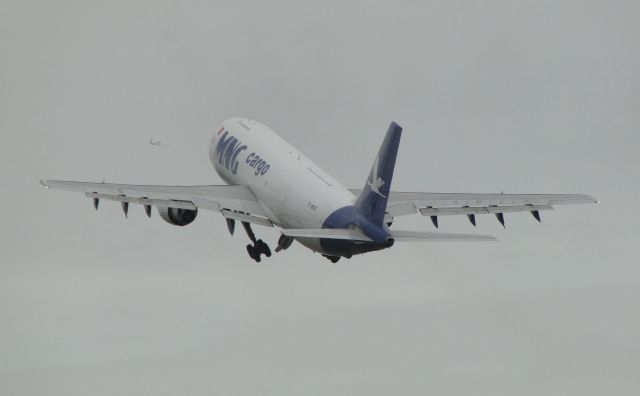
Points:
[(514, 96)]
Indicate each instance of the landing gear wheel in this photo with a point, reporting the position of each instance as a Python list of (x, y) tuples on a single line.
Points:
[(253, 253), (263, 248)]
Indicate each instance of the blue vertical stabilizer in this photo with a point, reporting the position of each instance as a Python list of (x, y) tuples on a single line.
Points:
[(372, 201)]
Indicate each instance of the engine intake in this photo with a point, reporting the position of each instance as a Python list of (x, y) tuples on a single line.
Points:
[(177, 216)]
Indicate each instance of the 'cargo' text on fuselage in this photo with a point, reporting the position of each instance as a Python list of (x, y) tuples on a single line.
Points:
[(229, 148)]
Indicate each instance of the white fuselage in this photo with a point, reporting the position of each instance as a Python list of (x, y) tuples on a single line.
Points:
[(293, 191)]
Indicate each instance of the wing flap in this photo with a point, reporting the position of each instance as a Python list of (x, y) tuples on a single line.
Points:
[(400, 236), (246, 218), (423, 199), (434, 204), (166, 203), (210, 197), (467, 210)]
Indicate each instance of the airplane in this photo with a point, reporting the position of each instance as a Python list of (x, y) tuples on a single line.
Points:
[(270, 183), (156, 143)]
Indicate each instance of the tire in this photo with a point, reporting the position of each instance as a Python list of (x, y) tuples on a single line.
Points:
[(263, 248), (266, 250), (253, 253)]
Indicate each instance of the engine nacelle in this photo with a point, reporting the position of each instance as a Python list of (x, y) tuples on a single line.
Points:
[(177, 216)]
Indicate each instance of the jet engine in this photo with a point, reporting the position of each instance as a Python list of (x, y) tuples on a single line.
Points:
[(177, 216)]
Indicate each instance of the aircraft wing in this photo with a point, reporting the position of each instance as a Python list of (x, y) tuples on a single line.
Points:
[(234, 202), (470, 204)]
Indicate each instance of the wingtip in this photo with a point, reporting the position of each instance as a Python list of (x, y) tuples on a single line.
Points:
[(591, 198), (484, 238)]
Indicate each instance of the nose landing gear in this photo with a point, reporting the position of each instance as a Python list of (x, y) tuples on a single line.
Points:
[(259, 247)]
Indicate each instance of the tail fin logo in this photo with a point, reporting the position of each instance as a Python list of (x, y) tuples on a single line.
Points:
[(376, 182)]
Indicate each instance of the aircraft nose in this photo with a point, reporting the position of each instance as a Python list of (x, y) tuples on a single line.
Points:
[(216, 135)]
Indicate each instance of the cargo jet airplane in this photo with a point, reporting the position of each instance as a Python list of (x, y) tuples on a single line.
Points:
[(272, 184)]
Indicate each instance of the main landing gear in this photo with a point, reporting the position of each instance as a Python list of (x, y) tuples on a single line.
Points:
[(259, 247)]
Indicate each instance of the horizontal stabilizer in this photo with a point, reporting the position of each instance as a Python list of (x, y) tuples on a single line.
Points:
[(400, 236), (417, 236), (330, 233)]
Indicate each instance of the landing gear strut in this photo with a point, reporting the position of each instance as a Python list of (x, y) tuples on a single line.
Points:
[(259, 247)]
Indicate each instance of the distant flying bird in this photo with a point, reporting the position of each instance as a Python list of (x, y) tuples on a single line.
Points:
[(157, 143)]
